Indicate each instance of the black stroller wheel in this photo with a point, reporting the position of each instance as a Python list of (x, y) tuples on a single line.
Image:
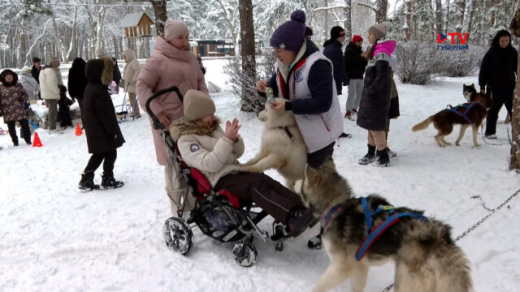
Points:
[(177, 235), (245, 255)]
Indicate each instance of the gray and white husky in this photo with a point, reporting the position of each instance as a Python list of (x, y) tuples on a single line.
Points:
[(426, 257)]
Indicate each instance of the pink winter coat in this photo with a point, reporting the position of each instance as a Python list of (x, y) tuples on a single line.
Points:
[(167, 67)]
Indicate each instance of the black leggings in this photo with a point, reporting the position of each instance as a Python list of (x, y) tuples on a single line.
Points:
[(316, 159), (108, 164), (267, 193), (25, 129), (492, 115)]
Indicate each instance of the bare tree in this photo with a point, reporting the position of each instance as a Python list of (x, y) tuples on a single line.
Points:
[(469, 16), (438, 16), (408, 23), (381, 10), (447, 19), (229, 19), (461, 9), (73, 46), (347, 24)]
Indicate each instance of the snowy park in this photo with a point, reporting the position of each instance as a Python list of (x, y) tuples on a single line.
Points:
[(69, 224), (56, 238)]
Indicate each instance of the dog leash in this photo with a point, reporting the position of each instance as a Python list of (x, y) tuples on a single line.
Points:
[(491, 212), (495, 144)]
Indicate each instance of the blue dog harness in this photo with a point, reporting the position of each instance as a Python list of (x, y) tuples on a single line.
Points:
[(378, 230), (466, 106)]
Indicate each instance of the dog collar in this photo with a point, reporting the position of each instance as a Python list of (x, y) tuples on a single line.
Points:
[(286, 129), (330, 214)]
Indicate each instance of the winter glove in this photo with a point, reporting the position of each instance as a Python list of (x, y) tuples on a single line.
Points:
[(26, 105)]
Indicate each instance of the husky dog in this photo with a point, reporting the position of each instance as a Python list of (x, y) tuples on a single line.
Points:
[(468, 114), (282, 146), (469, 91), (426, 258)]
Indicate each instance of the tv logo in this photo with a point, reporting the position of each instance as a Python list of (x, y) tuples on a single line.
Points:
[(462, 46), (441, 37)]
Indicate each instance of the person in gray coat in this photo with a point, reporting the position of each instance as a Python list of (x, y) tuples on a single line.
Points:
[(30, 84)]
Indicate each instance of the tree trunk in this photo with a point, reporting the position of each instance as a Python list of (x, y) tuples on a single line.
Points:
[(461, 8), (59, 42), (250, 100), (469, 16), (348, 19), (100, 28), (408, 26), (73, 46), (159, 8), (447, 20), (438, 16), (515, 126), (381, 10)]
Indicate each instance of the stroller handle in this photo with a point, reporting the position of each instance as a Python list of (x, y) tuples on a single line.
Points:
[(156, 123)]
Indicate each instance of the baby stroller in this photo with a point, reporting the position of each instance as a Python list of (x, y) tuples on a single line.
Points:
[(219, 215), (126, 109)]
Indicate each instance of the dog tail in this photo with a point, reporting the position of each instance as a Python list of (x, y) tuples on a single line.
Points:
[(422, 125)]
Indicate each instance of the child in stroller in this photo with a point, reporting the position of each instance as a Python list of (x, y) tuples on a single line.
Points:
[(210, 156)]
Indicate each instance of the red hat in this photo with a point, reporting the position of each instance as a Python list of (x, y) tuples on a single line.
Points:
[(356, 38)]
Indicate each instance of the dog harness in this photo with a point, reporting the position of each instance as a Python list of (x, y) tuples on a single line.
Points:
[(466, 106), (373, 235)]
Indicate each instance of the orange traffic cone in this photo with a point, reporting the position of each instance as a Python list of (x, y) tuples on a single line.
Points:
[(37, 142), (78, 130)]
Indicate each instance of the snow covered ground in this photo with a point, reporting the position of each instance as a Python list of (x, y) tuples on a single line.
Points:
[(55, 238)]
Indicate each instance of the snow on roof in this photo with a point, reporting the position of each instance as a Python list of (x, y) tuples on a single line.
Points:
[(132, 19)]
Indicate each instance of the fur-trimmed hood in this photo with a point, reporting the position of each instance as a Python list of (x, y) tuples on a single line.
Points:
[(8, 72), (100, 71), (183, 127)]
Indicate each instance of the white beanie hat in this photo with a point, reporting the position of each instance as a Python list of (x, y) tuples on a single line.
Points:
[(175, 28), (379, 30)]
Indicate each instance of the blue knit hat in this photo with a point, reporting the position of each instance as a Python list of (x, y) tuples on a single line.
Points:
[(290, 35)]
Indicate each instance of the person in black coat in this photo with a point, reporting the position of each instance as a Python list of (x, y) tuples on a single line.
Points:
[(355, 66), (35, 71), (497, 72), (332, 50), (116, 75), (36, 68), (101, 127), (77, 80)]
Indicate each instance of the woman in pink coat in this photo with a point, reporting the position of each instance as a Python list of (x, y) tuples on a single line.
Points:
[(172, 64)]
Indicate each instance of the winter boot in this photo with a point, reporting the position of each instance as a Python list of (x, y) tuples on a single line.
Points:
[(87, 182), (315, 242), (109, 182), (369, 157), (299, 220), (383, 159)]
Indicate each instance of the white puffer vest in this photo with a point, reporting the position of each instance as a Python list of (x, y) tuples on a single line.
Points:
[(318, 130)]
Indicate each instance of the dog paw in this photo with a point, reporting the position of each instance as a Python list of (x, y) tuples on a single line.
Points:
[(477, 145), (457, 144), (447, 143), (251, 169)]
